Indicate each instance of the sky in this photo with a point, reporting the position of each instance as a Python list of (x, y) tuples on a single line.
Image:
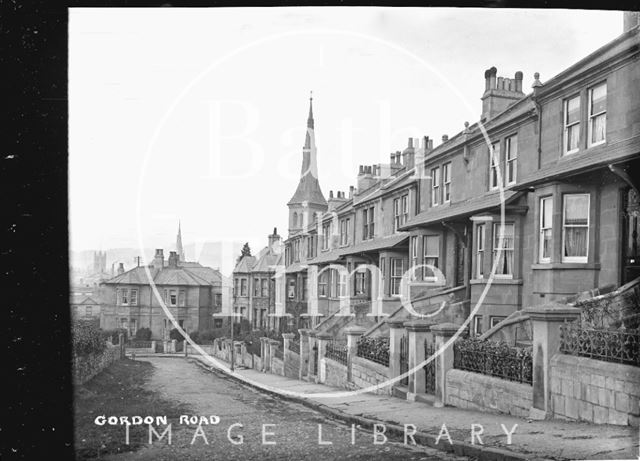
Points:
[(199, 115)]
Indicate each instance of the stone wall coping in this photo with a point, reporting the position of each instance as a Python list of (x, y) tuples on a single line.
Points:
[(553, 312), (354, 330), (445, 329), (288, 335), (418, 325), (324, 336), (273, 342), (395, 323), (577, 364)]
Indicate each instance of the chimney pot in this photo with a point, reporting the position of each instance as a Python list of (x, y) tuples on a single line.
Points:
[(445, 138), (410, 143), (330, 194)]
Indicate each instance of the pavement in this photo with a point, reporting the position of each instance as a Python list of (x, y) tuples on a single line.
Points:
[(547, 439)]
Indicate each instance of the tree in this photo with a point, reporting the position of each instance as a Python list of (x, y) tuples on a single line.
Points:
[(246, 251)]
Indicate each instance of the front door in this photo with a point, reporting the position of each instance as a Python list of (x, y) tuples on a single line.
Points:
[(630, 241)]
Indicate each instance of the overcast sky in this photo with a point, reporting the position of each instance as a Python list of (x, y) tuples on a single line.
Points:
[(203, 111)]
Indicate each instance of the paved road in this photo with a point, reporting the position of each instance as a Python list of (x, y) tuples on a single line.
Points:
[(295, 427)]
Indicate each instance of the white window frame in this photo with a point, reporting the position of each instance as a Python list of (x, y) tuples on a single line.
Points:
[(545, 203), (511, 159), (405, 208), (133, 297), (494, 162), (256, 287), (477, 320), (435, 186), (427, 256), (414, 256), (396, 214), (494, 253), (291, 288), (342, 284), (124, 297), (173, 297), (481, 234), (395, 276), (446, 180), (567, 126), (575, 259), (592, 117)]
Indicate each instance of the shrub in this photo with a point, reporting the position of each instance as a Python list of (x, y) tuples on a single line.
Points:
[(87, 339), (113, 334), (143, 334), (175, 334)]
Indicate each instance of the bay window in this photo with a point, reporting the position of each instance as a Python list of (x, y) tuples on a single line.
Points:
[(431, 250), (480, 233), (361, 280), (546, 216), (504, 267), (575, 228), (397, 270)]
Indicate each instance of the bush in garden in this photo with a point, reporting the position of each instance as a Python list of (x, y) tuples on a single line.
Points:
[(87, 339), (175, 334), (113, 334), (143, 334)]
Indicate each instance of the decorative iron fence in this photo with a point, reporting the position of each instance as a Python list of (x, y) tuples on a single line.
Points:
[(159, 347), (404, 359), (337, 351), (494, 359), (619, 346), (374, 349), (294, 346), (429, 368)]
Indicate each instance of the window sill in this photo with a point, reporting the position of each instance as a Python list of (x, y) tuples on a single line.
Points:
[(552, 266), (496, 281)]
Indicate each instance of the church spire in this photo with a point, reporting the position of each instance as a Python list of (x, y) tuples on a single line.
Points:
[(179, 248)]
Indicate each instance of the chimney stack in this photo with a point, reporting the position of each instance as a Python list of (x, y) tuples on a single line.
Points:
[(173, 260), (499, 92), (120, 268), (158, 260), (273, 240), (445, 137)]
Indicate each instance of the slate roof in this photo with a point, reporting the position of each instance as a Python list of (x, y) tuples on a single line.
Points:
[(245, 264), (83, 299), (377, 244), (594, 158), (327, 256), (308, 191), (266, 260), (193, 274), (462, 208)]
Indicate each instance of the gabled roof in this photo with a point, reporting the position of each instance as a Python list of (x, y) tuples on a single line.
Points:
[(308, 191), (245, 264), (83, 299), (266, 261), (327, 257), (460, 209)]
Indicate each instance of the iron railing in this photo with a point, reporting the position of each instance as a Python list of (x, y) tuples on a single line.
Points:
[(493, 359), (294, 346), (337, 351), (619, 346), (429, 368), (374, 349), (404, 359)]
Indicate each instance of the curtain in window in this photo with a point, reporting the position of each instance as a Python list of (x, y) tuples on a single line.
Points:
[(599, 128), (505, 258), (576, 230)]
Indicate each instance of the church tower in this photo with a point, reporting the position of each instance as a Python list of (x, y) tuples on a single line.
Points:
[(179, 249), (308, 198)]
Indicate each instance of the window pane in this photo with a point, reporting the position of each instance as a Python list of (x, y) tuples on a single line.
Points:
[(598, 128), (575, 241), (431, 246), (599, 99), (573, 110), (576, 209)]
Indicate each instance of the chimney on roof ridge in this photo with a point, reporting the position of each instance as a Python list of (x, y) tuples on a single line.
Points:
[(499, 92), (173, 260), (120, 268), (445, 137), (158, 259), (273, 240)]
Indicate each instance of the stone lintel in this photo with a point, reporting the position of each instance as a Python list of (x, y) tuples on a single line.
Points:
[(418, 325)]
